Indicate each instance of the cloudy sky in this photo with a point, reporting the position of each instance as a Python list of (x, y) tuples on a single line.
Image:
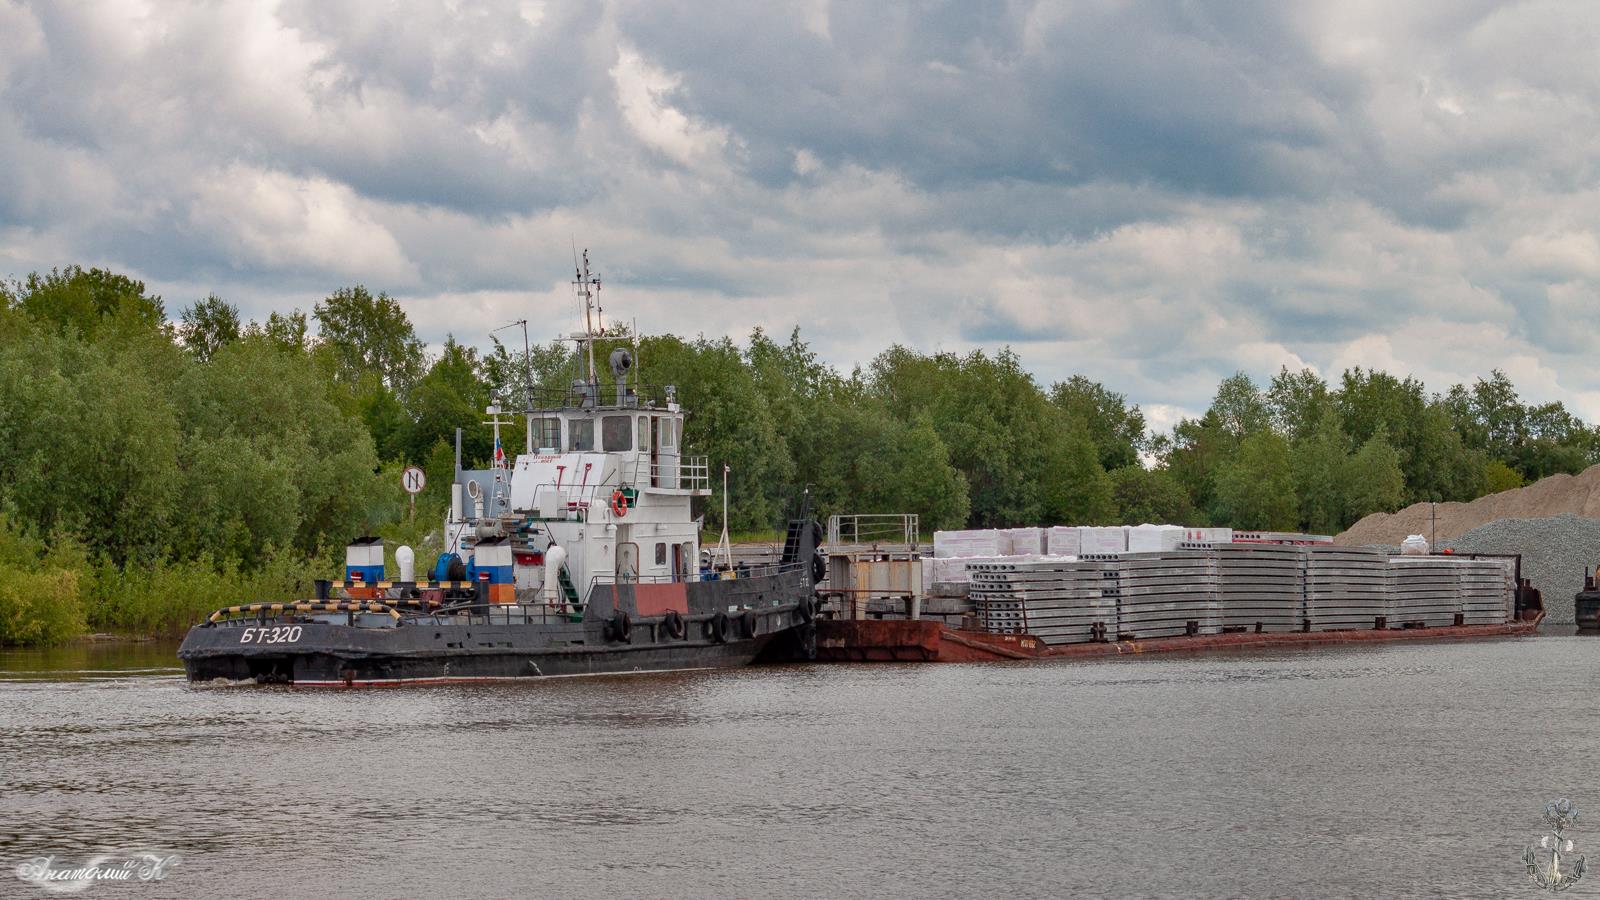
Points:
[(1152, 194)]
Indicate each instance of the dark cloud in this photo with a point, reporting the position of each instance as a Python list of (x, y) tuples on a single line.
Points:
[(1156, 194)]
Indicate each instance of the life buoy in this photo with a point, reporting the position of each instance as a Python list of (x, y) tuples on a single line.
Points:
[(672, 625), (751, 625), (619, 503), (718, 627), (622, 627)]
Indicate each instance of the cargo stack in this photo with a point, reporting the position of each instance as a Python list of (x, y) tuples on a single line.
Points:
[(1057, 601), (1161, 594), (1346, 587), (1427, 591), (1487, 591), (1260, 586)]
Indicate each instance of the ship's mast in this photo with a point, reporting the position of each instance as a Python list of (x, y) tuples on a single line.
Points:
[(593, 327)]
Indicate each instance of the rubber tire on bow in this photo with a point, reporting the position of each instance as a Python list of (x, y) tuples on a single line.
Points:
[(718, 628), (750, 624), (804, 611), (622, 628)]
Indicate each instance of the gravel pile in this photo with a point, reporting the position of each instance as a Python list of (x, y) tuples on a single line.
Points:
[(1556, 552)]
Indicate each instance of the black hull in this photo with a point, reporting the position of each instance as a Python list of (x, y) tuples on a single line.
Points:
[(759, 618)]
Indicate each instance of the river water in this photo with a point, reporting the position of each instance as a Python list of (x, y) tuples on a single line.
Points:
[(1400, 770)]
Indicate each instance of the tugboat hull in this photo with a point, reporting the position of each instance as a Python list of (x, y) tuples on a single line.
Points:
[(729, 623)]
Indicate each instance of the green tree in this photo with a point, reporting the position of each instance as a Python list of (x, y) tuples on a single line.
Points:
[(208, 325), (85, 302), (1296, 402), (1497, 477), (1373, 481), (369, 334), (1117, 429), (453, 395), (1143, 495), (1255, 490), (1319, 463)]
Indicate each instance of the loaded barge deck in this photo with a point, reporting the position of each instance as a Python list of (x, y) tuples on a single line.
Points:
[(921, 640)]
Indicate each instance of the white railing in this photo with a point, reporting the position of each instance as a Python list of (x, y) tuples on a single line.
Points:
[(874, 528)]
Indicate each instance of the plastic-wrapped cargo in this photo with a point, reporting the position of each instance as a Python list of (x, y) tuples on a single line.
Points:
[(1094, 540), (1415, 545), (966, 544), (1022, 542), (1209, 535), (1063, 540), (1154, 538)]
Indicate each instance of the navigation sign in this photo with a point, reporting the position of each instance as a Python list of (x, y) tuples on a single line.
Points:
[(413, 480)]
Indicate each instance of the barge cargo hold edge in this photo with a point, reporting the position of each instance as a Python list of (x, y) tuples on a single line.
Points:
[(911, 640)]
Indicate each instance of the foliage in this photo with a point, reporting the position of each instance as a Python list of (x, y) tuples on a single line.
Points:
[(156, 472), (1143, 495), (367, 333), (208, 325)]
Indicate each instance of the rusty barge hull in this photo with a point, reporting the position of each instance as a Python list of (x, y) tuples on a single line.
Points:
[(900, 640)]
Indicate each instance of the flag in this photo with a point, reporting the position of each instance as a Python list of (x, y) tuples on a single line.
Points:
[(499, 454)]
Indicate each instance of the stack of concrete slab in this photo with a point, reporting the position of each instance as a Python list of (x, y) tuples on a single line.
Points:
[(1261, 586), (1058, 601), (1160, 594), (1487, 591), (1427, 591), (1346, 587)]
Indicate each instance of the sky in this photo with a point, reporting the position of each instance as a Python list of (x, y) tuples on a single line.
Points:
[(1155, 195)]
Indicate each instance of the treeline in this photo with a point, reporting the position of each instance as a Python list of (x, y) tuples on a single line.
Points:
[(154, 469)]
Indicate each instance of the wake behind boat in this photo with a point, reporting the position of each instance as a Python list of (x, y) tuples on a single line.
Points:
[(581, 557)]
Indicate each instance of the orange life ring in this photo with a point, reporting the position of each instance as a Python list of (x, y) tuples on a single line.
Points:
[(619, 503)]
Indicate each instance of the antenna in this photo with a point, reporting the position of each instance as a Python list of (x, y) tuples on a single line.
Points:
[(527, 376), (588, 287)]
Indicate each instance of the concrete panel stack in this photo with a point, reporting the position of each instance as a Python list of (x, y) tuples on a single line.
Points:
[(1427, 591), (1057, 601), (1346, 587), (1260, 586), (1159, 594), (1487, 591)]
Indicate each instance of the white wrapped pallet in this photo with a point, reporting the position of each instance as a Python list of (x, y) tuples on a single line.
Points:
[(966, 544), (1154, 538), (1209, 535), (1102, 540), (1022, 542), (1063, 540)]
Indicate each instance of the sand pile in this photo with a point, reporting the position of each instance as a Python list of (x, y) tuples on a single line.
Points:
[(1558, 495)]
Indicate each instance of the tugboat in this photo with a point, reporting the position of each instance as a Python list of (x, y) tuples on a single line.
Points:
[(580, 557)]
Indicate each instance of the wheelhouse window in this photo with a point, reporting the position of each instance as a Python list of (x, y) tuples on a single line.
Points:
[(546, 433), (644, 432), (580, 434), (661, 554), (617, 433)]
